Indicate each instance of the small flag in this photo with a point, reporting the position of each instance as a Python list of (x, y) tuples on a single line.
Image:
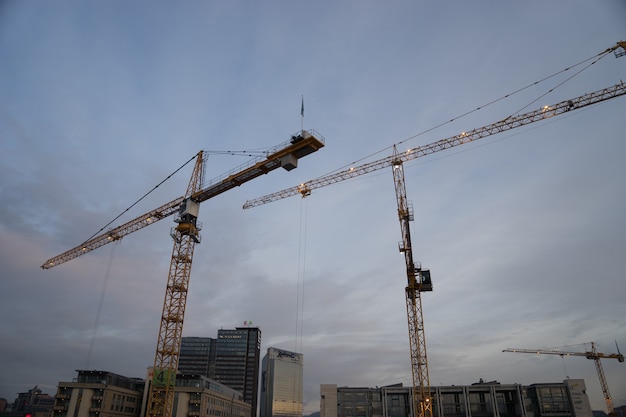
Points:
[(302, 108)]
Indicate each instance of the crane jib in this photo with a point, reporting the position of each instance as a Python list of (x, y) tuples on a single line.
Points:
[(504, 125), (286, 155)]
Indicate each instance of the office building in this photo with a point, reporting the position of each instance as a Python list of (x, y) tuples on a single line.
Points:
[(482, 399), (197, 356), (99, 394), (199, 396), (281, 384), (568, 398), (33, 403), (237, 360), (105, 394)]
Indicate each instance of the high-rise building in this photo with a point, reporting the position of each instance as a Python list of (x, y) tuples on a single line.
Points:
[(281, 384), (237, 358), (197, 356)]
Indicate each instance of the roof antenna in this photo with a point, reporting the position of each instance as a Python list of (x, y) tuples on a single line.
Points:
[(302, 115)]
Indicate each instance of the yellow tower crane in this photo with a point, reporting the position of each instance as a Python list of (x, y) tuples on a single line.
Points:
[(186, 235), (419, 280), (594, 355)]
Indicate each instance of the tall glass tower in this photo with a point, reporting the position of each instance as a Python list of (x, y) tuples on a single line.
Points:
[(237, 357), (281, 384), (197, 356)]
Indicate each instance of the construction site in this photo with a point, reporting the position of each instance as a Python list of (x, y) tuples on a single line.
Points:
[(186, 234), (429, 334)]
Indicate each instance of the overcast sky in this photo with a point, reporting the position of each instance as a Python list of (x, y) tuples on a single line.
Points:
[(524, 233)]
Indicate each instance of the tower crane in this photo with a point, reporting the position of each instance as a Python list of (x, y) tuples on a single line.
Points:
[(594, 355), (419, 280), (186, 235)]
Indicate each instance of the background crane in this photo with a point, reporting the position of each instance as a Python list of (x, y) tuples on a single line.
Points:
[(592, 354), (419, 280), (186, 235)]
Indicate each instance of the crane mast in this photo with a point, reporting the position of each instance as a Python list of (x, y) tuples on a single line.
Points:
[(186, 234), (417, 281), (594, 355)]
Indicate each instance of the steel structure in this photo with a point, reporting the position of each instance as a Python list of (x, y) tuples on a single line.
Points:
[(505, 125), (418, 279), (186, 235), (594, 355)]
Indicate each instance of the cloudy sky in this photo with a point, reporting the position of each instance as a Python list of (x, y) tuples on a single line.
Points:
[(524, 233)]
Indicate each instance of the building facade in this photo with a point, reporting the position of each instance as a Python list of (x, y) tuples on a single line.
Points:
[(33, 403), (237, 360), (281, 383), (568, 398), (105, 394), (482, 399), (99, 394), (197, 356), (199, 396)]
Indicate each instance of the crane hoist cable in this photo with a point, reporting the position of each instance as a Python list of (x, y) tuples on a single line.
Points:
[(96, 324), (302, 247)]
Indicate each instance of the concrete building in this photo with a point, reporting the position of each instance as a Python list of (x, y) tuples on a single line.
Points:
[(33, 403), (281, 384), (568, 399), (197, 356), (99, 394), (105, 394), (237, 361), (199, 396), (482, 399)]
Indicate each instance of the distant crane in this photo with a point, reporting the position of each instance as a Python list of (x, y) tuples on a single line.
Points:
[(592, 354), (186, 235), (419, 280)]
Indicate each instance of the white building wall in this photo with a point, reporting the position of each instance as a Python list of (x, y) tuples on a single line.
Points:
[(580, 401), (328, 400)]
